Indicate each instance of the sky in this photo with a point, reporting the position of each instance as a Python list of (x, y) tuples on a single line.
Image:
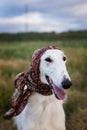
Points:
[(42, 15)]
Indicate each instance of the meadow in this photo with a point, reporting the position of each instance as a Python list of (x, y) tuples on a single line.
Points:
[(15, 57)]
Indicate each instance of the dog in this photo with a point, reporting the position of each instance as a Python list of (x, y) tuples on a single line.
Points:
[(45, 112)]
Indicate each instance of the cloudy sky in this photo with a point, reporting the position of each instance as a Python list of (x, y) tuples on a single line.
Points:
[(42, 15)]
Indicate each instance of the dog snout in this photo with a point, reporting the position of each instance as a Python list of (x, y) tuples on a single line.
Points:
[(66, 83)]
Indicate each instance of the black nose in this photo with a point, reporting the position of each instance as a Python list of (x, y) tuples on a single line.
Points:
[(66, 83)]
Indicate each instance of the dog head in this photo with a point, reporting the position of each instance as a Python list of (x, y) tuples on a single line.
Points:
[(49, 67)]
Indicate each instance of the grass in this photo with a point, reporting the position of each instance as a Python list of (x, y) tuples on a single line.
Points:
[(15, 57), (25, 50)]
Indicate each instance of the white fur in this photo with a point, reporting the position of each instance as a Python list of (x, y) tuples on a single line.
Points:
[(46, 112)]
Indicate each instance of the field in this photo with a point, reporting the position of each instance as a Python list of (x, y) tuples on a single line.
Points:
[(15, 57)]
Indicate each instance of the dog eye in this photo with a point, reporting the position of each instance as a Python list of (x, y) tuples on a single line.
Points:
[(48, 59), (64, 58)]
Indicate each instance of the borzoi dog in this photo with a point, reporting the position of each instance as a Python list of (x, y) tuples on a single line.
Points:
[(45, 112)]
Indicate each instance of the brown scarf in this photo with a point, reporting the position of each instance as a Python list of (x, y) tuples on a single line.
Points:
[(26, 83)]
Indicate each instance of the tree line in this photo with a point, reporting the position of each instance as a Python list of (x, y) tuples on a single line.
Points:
[(32, 36)]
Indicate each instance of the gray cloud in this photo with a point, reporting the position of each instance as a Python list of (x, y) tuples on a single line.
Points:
[(55, 15)]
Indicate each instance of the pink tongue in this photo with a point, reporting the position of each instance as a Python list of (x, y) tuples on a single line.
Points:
[(58, 92)]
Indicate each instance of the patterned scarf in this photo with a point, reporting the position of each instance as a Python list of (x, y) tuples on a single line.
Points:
[(26, 83)]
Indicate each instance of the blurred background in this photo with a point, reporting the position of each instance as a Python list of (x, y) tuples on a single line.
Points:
[(27, 25)]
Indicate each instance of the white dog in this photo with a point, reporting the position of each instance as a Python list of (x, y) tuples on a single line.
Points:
[(43, 112), (46, 112)]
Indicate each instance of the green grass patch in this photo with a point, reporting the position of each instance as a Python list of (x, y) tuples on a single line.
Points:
[(25, 49)]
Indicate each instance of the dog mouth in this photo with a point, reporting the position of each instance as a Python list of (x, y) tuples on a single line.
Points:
[(58, 92)]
